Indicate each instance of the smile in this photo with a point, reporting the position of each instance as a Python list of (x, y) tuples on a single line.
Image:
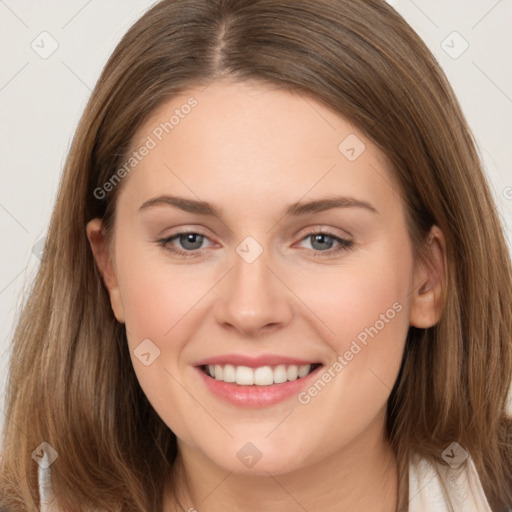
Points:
[(255, 382), (260, 376)]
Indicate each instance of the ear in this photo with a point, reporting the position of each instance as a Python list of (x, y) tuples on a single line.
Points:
[(429, 282), (106, 266)]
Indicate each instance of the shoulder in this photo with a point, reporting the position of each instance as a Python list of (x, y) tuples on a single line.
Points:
[(434, 486)]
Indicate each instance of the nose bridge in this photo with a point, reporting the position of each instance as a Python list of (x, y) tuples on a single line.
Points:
[(252, 297)]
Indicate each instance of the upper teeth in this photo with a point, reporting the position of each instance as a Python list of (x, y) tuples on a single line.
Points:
[(261, 376)]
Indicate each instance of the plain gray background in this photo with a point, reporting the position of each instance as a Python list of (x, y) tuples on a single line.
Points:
[(42, 96)]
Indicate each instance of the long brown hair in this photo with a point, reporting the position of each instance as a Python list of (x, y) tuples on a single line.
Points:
[(71, 381)]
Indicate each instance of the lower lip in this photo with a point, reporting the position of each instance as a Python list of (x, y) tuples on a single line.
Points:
[(256, 396)]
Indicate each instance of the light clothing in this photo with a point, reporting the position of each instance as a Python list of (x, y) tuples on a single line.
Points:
[(439, 488), (45, 486), (432, 488)]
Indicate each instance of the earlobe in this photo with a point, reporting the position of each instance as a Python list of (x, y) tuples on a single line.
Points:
[(429, 283), (105, 266)]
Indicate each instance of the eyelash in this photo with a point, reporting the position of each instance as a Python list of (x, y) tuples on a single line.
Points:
[(344, 245)]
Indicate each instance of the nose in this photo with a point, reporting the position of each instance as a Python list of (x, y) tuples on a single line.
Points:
[(252, 300)]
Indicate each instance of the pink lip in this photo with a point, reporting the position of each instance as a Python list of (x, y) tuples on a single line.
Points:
[(256, 396), (253, 362)]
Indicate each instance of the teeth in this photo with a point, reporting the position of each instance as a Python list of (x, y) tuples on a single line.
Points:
[(243, 376), (229, 373), (261, 376), (303, 370), (292, 372), (280, 374)]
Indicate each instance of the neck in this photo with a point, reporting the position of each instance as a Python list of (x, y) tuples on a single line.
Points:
[(357, 478)]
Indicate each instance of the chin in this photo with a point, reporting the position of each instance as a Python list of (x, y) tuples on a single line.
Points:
[(258, 458)]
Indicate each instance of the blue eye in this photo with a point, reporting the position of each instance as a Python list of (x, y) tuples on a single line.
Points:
[(190, 241), (321, 242), (324, 242)]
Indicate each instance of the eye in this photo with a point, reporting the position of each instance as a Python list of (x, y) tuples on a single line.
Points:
[(190, 241), (322, 243)]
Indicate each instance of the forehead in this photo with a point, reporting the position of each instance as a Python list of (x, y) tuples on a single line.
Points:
[(252, 141)]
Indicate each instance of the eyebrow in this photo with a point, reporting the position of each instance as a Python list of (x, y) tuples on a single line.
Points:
[(294, 209)]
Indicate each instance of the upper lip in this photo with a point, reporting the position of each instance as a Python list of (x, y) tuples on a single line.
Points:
[(254, 361)]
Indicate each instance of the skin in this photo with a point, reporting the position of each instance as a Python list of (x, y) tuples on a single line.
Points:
[(251, 151)]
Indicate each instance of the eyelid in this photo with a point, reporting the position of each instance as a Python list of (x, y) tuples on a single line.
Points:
[(344, 244), (328, 230), (186, 231)]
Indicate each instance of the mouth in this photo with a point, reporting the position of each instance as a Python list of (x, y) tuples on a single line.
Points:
[(258, 385), (267, 375)]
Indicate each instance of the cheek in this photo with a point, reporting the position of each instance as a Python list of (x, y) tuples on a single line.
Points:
[(372, 290), (365, 305), (163, 304), (161, 308), (157, 295)]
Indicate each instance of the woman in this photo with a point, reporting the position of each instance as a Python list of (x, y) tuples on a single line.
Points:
[(259, 369)]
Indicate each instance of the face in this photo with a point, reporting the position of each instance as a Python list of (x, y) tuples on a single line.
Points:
[(296, 281)]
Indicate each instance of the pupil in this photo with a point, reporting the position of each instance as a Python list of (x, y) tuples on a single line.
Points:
[(191, 238), (322, 239)]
